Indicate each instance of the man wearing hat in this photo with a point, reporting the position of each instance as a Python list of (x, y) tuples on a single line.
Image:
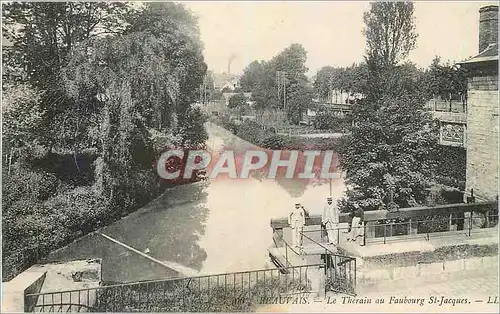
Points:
[(297, 220), (330, 220)]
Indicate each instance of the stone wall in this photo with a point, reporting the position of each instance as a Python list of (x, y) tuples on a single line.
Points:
[(482, 136)]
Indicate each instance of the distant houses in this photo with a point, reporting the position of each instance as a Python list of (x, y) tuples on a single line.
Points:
[(226, 82)]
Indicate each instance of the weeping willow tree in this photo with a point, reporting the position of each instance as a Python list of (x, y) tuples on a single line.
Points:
[(138, 90)]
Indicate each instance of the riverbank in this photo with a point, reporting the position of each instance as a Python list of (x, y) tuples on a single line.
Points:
[(214, 226)]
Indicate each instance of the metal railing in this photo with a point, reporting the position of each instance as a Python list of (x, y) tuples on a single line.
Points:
[(219, 292), (287, 247), (338, 231), (399, 230), (340, 270), (301, 131), (415, 228), (456, 106)]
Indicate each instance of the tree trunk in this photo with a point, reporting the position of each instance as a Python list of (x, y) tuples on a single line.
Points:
[(76, 162)]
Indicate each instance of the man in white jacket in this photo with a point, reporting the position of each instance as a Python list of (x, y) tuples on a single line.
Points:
[(297, 221), (330, 220)]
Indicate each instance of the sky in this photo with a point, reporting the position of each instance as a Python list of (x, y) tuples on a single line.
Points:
[(331, 32)]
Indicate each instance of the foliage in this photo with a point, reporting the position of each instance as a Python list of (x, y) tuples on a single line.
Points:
[(326, 120), (140, 79), (388, 156), (225, 122), (299, 99), (191, 129), (44, 33), (22, 118), (289, 91), (276, 142), (390, 32), (252, 75), (391, 144), (105, 88), (237, 101), (42, 36), (252, 132), (445, 79), (27, 184), (450, 165), (351, 79)]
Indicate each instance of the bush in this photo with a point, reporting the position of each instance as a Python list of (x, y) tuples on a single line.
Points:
[(450, 166), (22, 119), (252, 132), (276, 142), (225, 122), (80, 210), (24, 183), (191, 127), (237, 101), (329, 121)]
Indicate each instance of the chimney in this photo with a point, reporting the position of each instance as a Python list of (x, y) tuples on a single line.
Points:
[(488, 26)]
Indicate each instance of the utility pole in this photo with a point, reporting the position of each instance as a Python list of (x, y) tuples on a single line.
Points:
[(281, 84), (284, 90), (204, 92)]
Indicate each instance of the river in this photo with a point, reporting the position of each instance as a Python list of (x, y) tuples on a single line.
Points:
[(214, 226)]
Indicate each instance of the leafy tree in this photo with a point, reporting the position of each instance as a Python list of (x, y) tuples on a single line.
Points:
[(192, 131), (351, 79), (22, 117), (178, 30), (141, 78), (42, 35), (252, 76), (445, 79), (89, 84), (207, 88), (299, 99), (261, 79), (326, 120), (389, 150), (237, 101), (292, 61), (390, 32), (324, 80), (390, 146)]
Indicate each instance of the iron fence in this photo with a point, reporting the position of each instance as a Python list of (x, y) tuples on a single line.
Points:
[(457, 106), (340, 270), (337, 231), (439, 226), (398, 230), (238, 291)]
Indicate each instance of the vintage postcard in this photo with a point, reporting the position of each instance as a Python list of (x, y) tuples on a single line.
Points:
[(250, 156)]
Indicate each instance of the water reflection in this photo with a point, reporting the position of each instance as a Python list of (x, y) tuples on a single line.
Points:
[(215, 226)]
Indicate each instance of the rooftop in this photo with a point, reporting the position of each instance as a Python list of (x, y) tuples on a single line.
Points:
[(489, 54), (220, 79)]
